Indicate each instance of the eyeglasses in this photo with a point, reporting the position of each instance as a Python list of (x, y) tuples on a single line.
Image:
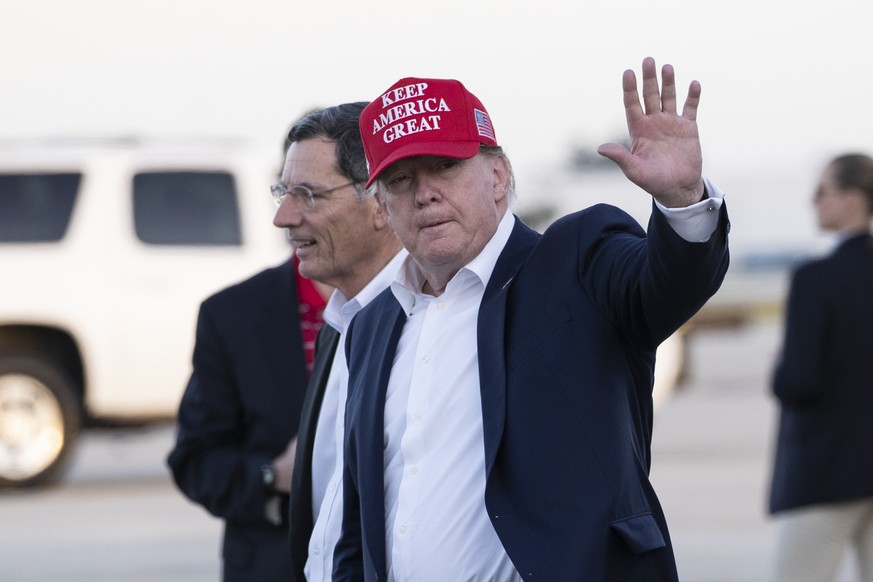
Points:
[(303, 194)]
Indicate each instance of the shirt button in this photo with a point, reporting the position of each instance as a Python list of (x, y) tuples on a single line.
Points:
[(316, 550), (440, 306), (403, 529), (425, 359), (413, 470), (417, 415)]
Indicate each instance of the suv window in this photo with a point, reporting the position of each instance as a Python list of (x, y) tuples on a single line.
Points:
[(36, 207), (186, 208)]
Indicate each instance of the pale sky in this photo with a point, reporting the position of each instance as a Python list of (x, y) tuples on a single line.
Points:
[(785, 85)]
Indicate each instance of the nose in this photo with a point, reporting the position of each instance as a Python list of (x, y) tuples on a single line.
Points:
[(426, 191), (289, 213)]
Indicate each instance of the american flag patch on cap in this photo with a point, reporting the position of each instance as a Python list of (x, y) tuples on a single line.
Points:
[(483, 124)]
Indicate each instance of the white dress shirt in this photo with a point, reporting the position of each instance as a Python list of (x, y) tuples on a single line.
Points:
[(327, 448), (437, 527)]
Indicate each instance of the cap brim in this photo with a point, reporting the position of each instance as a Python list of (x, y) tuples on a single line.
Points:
[(447, 149)]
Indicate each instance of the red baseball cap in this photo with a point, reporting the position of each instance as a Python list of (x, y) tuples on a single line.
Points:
[(423, 117)]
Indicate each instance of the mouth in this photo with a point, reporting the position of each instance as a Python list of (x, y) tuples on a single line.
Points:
[(300, 243), (434, 224)]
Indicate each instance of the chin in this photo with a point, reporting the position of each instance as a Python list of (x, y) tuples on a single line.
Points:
[(308, 268)]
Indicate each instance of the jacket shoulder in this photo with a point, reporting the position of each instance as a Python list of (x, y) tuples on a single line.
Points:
[(263, 283), (598, 217)]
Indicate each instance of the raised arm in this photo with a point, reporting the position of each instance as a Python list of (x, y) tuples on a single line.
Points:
[(664, 157)]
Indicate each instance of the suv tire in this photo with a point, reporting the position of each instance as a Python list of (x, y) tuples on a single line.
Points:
[(40, 415)]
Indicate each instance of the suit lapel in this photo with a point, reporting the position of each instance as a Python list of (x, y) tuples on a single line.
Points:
[(325, 348), (300, 507), (371, 456), (491, 336)]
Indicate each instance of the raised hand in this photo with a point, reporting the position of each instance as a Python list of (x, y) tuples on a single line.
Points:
[(664, 157)]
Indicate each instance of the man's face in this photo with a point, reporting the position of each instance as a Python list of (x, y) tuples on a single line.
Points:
[(445, 210), (336, 236), (837, 208)]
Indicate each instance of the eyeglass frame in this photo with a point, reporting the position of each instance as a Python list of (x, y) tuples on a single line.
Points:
[(279, 191)]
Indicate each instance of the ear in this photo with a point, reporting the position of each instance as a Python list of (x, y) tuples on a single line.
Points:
[(380, 212), (500, 168)]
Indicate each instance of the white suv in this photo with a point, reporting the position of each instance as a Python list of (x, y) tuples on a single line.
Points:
[(106, 250)]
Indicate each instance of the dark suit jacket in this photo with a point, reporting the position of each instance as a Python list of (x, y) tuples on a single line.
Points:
[(824, 382), (567, 332), (300, 508), (240, 410)]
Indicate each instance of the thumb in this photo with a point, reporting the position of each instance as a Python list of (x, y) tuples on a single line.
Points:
[(615, 152)]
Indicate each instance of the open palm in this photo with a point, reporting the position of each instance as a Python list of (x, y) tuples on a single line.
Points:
[(664, 158)]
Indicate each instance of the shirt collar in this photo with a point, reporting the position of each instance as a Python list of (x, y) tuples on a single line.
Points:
[(340, 310), (409, 280)]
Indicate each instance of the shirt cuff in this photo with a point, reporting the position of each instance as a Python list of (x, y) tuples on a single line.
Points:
[(697, 222)]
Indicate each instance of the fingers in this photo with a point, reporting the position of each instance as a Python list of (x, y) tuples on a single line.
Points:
[(655, 98), (689, 111), (613, 151), (668, 94), (651, 94), (632, 108)]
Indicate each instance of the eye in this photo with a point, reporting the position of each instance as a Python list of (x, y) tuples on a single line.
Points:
[(398, 181), (302, 193), (445, 164)]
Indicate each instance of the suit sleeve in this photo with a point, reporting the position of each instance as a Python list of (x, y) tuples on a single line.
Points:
[(649, 283), (209, 462), (798, 377)]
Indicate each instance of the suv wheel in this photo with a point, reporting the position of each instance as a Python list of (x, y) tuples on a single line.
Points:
[(39, 419)]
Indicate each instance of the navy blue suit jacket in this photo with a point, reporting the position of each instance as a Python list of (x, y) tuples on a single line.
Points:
[(240, 410), (567, 332), (824, 382)]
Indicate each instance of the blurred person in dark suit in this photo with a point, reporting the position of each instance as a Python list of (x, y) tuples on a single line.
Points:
[(237, 422), (822, 484), (238, 418), (342, 239)]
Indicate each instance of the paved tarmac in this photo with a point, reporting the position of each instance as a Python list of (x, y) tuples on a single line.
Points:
[(710, 458), (118, 517), (712, 453)]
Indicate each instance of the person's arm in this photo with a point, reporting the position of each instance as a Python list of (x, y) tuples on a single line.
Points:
[(672, 279), (209, 461), (798, 377)]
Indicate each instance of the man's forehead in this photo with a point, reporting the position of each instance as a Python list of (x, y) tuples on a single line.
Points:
[(315, 157), (417, 161)]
